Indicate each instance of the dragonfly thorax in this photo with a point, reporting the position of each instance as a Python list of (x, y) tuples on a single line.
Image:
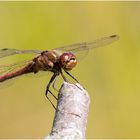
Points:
[(46, 61)]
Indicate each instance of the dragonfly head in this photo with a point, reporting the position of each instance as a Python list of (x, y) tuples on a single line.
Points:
[(68, 61)]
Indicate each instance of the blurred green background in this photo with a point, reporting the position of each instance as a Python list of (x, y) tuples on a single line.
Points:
[(110, 74)]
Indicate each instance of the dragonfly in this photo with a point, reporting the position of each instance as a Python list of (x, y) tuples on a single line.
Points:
[(57, 61)]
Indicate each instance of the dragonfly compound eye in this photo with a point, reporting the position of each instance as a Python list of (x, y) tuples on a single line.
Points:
[(68, 61)]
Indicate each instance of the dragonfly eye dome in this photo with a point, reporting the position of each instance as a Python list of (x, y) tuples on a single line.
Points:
[(68, 61)]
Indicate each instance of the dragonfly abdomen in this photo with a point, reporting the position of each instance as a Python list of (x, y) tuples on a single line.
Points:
[(19, 72)]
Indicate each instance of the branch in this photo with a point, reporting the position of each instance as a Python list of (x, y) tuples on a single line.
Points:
[(71, 114)]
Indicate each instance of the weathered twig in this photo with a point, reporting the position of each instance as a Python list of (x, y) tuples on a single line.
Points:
[(71, 114)]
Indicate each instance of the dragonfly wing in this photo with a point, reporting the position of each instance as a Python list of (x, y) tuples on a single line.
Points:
[(89, 45), (80, 55), (5, 69), (7, 52)]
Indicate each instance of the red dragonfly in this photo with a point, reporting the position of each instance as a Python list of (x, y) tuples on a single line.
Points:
[(58, 60)]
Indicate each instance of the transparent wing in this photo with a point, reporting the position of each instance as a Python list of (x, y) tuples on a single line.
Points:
[(4, 69), (88, 45), (7, 52)]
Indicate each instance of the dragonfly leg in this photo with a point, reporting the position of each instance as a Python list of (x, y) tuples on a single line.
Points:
[(47, 89), (51, 102), (72, 76), (53, 85), (63, 76)]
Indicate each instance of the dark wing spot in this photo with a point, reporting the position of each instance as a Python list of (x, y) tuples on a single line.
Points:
[(113, 36), (4, 49)]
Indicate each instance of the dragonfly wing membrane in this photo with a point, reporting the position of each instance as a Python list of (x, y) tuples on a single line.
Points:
[(102, 41), (4, 69), (89, 45), (8, 52)]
